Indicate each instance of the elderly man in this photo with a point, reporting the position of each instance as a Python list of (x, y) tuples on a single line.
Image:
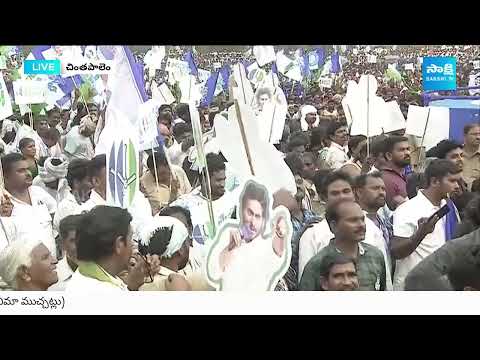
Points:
[(78, 144), (28, 265), (51, 177)]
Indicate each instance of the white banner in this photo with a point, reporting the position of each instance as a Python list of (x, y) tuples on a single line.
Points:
[(372, 59), (409, 67), (326, 82), (5, 102), (476, 64), (3, 62), (30, 91), (264, 54)]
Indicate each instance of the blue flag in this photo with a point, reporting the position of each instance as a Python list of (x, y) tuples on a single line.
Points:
[(191, 63), (335, 63), (306, 65), (225, 74), (209, 90), (274, 68), (321, 56)]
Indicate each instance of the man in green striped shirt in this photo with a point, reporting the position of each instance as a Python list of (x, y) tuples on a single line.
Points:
[(347, 222)]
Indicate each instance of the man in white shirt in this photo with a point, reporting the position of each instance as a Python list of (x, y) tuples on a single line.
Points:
[(335, 187), (49, 146), (371, 196), (337, 154), (416, 233), (140, 209), (183, 140), (69, 263), (33, 207), (78, 142), (104, 248), (80, 186)]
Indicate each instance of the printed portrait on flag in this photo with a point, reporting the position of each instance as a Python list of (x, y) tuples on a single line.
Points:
[(254, 253)]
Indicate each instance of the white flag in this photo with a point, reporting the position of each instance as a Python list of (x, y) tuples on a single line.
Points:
[(264, 54), (5, 102)]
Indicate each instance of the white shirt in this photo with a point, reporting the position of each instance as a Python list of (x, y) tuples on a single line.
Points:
[(312, 241), (405, 223), (140, 210), (85, 285), (65, 273), (336, 156), (9, 231), (68, 206), (36, 219), (45, 151), (78, 146), (175, 154)]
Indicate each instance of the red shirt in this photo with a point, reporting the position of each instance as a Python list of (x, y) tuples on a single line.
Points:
[(395, 184)]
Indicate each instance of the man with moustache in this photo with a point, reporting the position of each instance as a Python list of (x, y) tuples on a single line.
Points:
[(347, 222)]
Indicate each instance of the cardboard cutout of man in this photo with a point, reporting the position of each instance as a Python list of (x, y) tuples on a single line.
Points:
[(254, 254)]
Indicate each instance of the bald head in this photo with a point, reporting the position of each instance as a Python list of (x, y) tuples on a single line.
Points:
[(283, 197)]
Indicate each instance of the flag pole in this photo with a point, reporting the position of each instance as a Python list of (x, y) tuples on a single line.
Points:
[(368, 115), (244, 137), (420, 153), (202, 163)]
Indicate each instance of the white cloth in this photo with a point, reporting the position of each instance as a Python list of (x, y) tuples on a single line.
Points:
[(44, 151), (66, 207), (312, 241), (9, 232), (57, 194), (336, 156), (178, 236), (36, 219), (84, 285), (78, 146), (405, 224), (175, 154), (308, 109), (140, 210), (64, 273)]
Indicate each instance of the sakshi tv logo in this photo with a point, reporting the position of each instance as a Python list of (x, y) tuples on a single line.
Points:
[(55, 67)]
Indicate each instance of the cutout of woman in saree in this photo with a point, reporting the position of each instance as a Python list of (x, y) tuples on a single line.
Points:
[(254, 254)]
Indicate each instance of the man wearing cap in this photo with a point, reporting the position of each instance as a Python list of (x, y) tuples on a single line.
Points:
[(51, 177), (309, 119)]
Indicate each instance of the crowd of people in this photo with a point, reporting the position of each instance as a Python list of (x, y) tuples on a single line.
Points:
[(368, 214)]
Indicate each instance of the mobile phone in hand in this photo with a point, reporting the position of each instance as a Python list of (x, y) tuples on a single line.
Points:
[(444, 210)]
